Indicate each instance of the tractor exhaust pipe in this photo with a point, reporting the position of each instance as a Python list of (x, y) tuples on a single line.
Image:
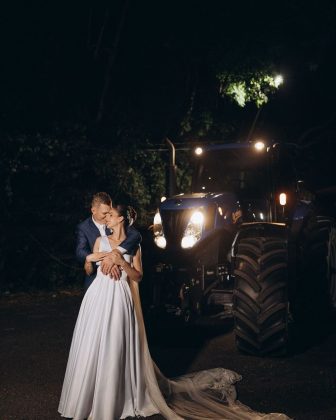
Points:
[(171, 181)]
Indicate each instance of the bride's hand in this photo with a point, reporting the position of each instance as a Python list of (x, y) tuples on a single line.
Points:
[(109, 267), (117, 258), (96, 256)]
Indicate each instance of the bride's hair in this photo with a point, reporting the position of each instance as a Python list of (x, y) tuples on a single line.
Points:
[(128, 213)]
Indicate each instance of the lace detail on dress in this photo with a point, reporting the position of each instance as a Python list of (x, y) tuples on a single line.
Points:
[(203, 395)]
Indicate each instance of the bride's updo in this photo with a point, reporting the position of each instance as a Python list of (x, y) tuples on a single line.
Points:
[(128, 213)]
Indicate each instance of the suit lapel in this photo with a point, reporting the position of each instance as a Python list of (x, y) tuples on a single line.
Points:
[(93, 227)]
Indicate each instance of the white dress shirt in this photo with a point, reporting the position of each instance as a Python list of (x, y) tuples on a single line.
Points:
[(100, 227)]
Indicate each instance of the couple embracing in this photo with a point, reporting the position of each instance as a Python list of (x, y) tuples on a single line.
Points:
[(110, 374), (101, 224)]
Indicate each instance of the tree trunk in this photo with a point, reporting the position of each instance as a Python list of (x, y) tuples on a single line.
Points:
[(110, 63)]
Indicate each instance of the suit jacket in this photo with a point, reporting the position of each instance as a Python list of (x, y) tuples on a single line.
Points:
[(86, 235)]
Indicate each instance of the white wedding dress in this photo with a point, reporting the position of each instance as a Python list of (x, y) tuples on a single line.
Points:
[(110, 374), (104, 379)]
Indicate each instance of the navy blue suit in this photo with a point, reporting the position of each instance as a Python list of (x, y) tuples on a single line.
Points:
[(86, 235)]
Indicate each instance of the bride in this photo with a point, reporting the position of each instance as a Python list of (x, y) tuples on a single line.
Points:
[(110, 374)]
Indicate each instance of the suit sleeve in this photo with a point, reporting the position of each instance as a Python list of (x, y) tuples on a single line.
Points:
[(131, 242), (82, 245)]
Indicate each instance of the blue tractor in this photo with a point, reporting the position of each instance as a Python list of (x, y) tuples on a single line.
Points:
[(251, 241)]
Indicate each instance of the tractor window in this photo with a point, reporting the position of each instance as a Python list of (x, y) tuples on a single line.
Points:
[(283, 168), (242, 171)]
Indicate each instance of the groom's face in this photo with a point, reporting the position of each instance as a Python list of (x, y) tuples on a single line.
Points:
[(99, 212)]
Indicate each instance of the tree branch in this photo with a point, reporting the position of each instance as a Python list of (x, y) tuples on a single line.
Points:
[(101, 33)]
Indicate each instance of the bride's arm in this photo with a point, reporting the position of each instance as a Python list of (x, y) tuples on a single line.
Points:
[(94, 257), (134, 270)]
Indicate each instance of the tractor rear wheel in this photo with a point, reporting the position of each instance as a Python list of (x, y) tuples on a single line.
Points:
[(319, 260), (260, 304)]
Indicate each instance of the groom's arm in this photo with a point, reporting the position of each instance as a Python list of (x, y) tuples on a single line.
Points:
[(82, 246), (131, 242)]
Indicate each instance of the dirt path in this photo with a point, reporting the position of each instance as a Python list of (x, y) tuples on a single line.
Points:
[(35, 338)]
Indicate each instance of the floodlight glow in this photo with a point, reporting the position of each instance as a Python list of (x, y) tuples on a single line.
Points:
[(198, 151), (259, 145), (163, 199), (278, 80)]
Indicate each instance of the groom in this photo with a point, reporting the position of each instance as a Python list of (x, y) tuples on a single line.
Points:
[(88, 231)]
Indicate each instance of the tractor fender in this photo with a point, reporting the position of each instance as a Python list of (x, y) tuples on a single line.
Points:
[(251, 230)]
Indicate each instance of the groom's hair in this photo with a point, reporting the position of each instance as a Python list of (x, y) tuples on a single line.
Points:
[(101, 198)]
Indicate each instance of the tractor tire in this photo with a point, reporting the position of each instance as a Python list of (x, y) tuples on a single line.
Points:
[(260, 303), (319, 261)]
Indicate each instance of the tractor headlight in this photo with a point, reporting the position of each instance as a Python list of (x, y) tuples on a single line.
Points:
[(193, 231), (160, 241), (259, 145), (159, 237)]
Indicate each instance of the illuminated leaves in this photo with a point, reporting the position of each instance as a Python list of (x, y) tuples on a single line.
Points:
[(256, 88)]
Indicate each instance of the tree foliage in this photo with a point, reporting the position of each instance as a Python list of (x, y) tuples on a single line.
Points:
[(103, 82), (254, 87), (49, 181)]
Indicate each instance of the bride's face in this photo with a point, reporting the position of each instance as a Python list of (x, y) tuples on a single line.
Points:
[(113, 219)]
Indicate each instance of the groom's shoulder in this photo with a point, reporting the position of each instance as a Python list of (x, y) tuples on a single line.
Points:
[(84, 224), (131, 229), (134, 231)]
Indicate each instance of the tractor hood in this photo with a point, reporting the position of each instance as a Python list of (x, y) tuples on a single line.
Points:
[(198, 217), (219, 210), (224, 203)]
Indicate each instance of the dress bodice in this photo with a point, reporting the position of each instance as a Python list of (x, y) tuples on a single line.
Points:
[(104, 245)]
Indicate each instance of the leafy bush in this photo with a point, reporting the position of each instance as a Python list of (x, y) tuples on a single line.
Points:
[(48, 184)]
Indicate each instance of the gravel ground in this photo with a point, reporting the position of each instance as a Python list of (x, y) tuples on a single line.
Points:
[(36, 332)]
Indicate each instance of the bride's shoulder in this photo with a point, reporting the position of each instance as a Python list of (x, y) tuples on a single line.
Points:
[(97, 243), (98, 240)]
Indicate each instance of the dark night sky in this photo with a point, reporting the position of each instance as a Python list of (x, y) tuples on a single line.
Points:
[(49, 74)]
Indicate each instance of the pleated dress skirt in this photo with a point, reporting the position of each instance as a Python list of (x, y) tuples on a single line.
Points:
[(104, 377)]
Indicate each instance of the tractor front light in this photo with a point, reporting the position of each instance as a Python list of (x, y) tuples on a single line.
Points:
[(259, 146), (193, 231), (188, 241), (160, 241), (283, 199), (157, 219), (159, 237)]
